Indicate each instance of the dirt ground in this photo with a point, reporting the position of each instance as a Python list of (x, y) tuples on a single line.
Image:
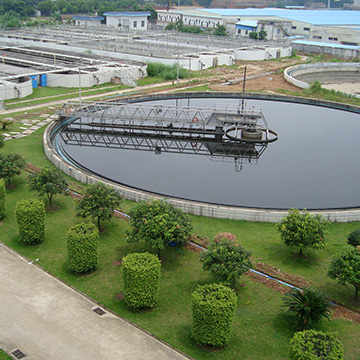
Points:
[(264, 76)]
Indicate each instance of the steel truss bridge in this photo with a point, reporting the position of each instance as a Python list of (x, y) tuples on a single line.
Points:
[(238, 134)]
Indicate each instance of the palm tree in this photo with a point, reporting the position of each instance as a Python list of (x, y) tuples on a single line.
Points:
[(308, 306), (354, 238)]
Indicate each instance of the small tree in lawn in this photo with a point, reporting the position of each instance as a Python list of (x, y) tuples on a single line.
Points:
[(6, 123), (226, 260), (159, 223), (47, 182), (98, 202), (10, 166), (301, 229), (345, 268), (308, 306)]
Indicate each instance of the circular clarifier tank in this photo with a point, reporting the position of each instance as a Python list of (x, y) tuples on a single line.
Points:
[(313, 164)]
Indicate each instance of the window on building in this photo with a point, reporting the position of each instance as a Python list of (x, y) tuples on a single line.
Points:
[(142, 23), (135, 24), (317, 37), (239, 31), (306, 29), (333, 38), (278, 31), (293, 27)]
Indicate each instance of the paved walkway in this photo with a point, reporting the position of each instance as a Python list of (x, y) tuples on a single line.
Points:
[(47, 320)]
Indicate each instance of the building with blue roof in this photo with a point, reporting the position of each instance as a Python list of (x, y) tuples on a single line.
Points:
[(135, 21), (87, 20)]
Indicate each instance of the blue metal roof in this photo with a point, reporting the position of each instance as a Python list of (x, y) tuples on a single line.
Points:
[(120, 13), (339, 46), (80, 17), (315, 17)]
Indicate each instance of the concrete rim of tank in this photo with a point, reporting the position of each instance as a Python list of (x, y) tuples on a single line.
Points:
[(195, 207), (291, 73)]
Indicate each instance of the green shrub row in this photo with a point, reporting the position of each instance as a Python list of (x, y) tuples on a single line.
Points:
[(30, 215), (82, 247), (166, 72), (315, 345), (141, 276), (2, 198), (213, 309)]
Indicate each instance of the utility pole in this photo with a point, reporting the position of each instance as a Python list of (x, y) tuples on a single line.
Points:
[(79, 84)]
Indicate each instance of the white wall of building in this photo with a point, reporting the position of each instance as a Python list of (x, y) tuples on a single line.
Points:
[(134, 23)]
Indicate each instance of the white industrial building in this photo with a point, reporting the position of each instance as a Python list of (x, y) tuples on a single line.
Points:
[(87, 20), (333, 26), (133, 21)]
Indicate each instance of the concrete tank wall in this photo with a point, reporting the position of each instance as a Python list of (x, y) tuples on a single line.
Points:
[(199, 208), (302, 75), (10, 90)]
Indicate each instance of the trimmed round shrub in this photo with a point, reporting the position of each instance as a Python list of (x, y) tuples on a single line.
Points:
[(315, 345), (354, 238), (2, 198), (82, 247), (213, 310), (30, 216), (141, 276)]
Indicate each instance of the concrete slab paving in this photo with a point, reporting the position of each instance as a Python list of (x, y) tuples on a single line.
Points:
[(46, 319)]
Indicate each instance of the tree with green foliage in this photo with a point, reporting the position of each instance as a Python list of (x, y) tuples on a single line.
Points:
[(2, 198), (82, 247), (345, 268), (213, 311), (10, 166), (262, 35), (159, 223), (253, 35), (1, 141), (220, 30), (141, 277), (98, 202), (354, 238), (315, 345), (227, 260), (47, 182), (6, 123), (301, 229), (30, 216), (308, 306)]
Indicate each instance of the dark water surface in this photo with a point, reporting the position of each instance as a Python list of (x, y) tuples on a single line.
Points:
[(314, 164)]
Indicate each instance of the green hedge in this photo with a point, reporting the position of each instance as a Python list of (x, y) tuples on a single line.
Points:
[(213, 310), (2, 198), (30, 216), (141, 276), (315, 345), (82, 247)]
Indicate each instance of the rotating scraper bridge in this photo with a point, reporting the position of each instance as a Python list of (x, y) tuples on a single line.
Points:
[(237, 134)]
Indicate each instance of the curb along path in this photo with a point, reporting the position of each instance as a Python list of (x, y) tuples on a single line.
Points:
[(45, 319)]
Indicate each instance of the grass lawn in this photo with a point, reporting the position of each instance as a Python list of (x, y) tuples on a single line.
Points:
[(261, 329), (4, 356)]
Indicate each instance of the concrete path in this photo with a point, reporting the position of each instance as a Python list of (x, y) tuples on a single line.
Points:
[(47, 320)]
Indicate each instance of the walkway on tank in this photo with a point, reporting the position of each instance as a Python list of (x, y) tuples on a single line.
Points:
[(44, 319)]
